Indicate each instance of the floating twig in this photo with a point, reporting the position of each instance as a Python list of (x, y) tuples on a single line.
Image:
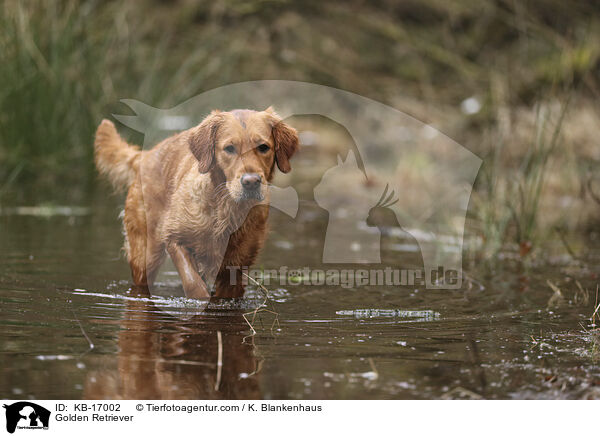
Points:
[(83, 331), (261, 308), (219, 359), (597, 305)]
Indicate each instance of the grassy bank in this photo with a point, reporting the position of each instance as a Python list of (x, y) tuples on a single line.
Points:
[(66, 64)]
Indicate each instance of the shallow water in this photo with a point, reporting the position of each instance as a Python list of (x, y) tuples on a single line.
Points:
[(71, 327)]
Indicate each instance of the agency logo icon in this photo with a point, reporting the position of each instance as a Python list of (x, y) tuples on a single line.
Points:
[(26, 415), (396, 169)]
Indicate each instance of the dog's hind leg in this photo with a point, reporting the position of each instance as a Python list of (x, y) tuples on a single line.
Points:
[(145, 257), (144, 253), (155, 256)]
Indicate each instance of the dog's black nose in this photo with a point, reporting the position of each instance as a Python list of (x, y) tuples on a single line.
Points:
[(250, 181)]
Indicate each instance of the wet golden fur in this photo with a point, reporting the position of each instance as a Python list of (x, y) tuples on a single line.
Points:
[(185, 197)]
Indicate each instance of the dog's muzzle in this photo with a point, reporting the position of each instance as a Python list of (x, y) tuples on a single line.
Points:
[(251, 187)]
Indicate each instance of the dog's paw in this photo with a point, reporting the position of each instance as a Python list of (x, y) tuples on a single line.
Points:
[(197, 291)]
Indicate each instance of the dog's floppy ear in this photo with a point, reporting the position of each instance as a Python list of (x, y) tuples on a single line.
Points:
[(203, 139), (286, 141)]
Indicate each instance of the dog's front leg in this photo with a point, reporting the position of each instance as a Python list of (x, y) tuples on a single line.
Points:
[(193, 285), (230, 283)]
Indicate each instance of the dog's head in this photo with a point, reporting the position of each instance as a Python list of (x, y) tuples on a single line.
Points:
[(240, 148)]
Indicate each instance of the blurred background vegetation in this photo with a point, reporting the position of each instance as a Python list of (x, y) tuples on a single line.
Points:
[(516, 82)]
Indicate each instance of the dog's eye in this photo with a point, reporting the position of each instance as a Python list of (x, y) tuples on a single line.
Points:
[(230, 149), (263, 148)]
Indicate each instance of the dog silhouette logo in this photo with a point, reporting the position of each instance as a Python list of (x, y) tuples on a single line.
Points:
[(26, 415), (430, 175)]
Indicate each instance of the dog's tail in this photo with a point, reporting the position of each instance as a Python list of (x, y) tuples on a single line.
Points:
[(115, 158)]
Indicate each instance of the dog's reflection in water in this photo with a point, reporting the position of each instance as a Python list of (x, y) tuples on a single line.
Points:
[(161, 357)]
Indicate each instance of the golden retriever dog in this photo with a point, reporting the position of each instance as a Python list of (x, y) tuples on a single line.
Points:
[(201, 196)]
